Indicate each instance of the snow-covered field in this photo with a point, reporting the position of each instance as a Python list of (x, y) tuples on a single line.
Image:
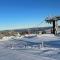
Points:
[(40, 47)]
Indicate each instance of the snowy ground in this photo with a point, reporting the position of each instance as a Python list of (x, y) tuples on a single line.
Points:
[(30, 48)]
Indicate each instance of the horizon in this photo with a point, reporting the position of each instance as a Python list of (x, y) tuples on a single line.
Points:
[(21, 14)]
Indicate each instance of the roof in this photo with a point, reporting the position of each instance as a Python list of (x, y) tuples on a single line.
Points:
[(55, 18)]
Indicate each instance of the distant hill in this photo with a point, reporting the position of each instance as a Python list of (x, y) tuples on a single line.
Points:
[(33, 29), (24, 31)]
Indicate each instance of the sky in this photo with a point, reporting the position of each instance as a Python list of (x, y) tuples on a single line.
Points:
[(18, 14)]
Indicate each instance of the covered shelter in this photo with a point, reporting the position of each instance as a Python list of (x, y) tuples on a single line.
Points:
[(53, 20)]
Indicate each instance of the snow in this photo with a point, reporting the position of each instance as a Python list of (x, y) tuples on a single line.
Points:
[(6, 54), (46, 35), (30, 35), (22, 48), (7, 38), (11, 37)]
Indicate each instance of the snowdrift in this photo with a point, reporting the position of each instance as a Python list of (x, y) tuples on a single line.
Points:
[(46, 35), (21, 48)]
